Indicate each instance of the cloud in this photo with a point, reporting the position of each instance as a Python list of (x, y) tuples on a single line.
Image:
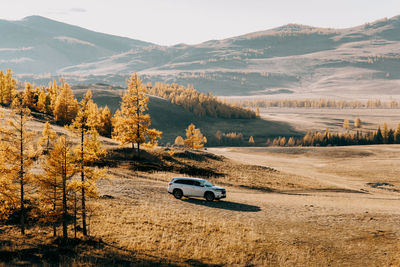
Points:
[(16, 49), (77, 10), (16, 60)]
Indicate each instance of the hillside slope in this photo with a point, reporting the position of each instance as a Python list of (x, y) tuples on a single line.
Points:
[(292, 59), (172, 120), (362, 61), (39, 45)]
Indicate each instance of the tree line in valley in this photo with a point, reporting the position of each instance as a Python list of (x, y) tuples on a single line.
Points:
[(49, 179), (383, 135), (317, 103)]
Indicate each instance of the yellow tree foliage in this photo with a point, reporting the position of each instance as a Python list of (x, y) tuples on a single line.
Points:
[(291, 142), (346, 124), (48, 136), (194, 138), (89, 149), (251, 140), (28, 96), (21, 152), (84, 156), (55, 185), (105, 127), (2, 86), (54, 91), (50, 186), (282, 141), (8, 188), (179, 141), (65, 106), (131, 124), (8, 88), (357, 123), (199, 103), (42, 104), (385, 132)]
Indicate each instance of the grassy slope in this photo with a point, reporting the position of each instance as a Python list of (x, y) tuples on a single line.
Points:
[(173, 120)]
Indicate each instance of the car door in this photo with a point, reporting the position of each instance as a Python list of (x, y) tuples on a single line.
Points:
[(197, 189), (187, 187)]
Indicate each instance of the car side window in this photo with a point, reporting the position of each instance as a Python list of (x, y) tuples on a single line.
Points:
[(189, 182), (196, 183)]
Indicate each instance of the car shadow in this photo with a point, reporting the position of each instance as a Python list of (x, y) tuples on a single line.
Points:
[(226, 205)]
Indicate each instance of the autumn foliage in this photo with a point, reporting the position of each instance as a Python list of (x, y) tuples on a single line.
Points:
[(194, 138), (131, 121), (198, 103)]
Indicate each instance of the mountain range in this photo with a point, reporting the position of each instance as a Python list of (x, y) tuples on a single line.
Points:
[(287, 61)]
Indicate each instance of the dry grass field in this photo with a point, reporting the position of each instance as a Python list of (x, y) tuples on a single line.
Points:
[(332, 206)]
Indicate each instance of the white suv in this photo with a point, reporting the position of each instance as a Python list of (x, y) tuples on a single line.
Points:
[(195, 187)]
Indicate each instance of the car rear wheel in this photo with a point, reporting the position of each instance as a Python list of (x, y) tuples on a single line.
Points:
[(178, 194), (209, 196)]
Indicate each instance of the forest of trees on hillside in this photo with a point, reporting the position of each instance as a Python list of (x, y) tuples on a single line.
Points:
[(317, 103), (42, 178), (49, 179), (198, 103)]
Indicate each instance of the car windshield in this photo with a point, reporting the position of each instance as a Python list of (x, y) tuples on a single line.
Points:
[(207, 184)]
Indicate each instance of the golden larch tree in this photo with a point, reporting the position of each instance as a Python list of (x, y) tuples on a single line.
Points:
[(105, 128), (282, 141), (8, 88), (65, 106), (291, 142), (8, 187), (346, 124), (385, 132), (89, 149), (60, 168), (131, 124), (41, 104), (28, 96), (47, 138), (179, 141), (21, 151), (50, 186), (357, 123), (194, 138), (54, 91), (251, 140)]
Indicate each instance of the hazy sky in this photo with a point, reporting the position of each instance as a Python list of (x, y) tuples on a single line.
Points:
[(169, 22)]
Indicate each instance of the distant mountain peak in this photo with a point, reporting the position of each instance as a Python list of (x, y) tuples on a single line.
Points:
[(294, 27), (37, 18)]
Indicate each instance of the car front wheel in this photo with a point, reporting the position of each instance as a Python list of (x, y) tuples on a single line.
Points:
[(178, 194), (209, 196)]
